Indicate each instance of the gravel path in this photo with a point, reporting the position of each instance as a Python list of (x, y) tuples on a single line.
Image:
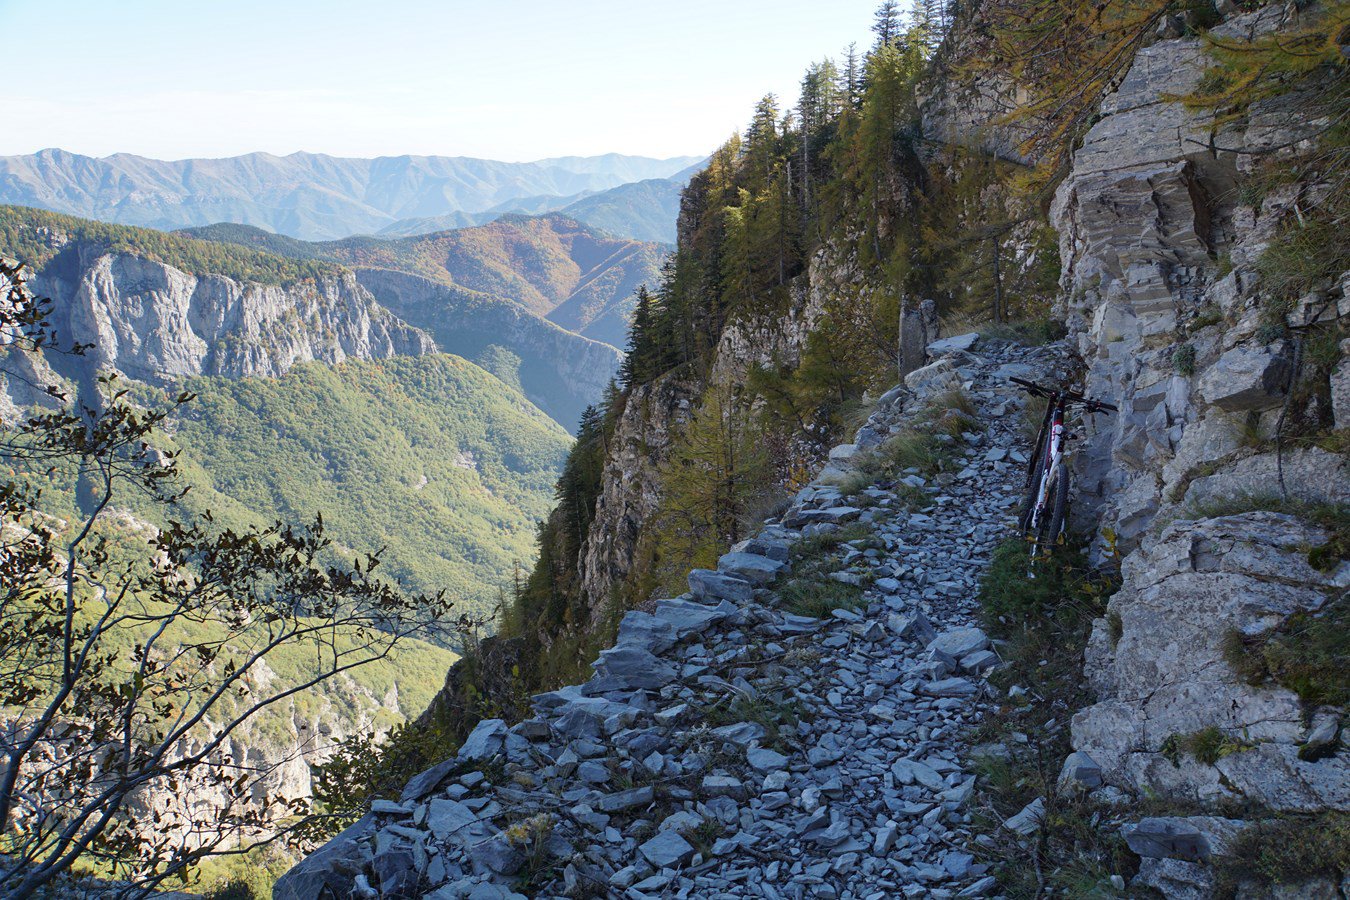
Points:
[(729, 748)]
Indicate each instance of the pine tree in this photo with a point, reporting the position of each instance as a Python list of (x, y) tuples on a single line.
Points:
[(850, 82), (640, 363), (887, 26)]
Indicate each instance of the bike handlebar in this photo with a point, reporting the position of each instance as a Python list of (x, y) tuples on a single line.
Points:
[(1070, 396)]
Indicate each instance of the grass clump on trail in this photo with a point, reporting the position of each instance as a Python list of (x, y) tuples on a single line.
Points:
[(928, 445), (810, 591), (1041, 626)]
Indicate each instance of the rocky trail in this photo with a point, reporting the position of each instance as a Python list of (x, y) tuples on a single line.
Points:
[(728, 747)]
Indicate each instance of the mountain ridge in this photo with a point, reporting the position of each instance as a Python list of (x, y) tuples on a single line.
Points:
[(157, 303), (558, 268), (307, 195)]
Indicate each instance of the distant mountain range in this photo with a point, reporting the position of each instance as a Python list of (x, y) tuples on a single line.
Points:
[(318, 197), (556, 267)]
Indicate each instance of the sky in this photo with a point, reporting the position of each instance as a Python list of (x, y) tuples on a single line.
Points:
[(514, 81)]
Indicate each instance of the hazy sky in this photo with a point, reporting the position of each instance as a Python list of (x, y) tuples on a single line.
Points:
[(512, 81)]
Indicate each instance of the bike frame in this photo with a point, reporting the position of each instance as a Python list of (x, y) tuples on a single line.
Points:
[(1050, 459)]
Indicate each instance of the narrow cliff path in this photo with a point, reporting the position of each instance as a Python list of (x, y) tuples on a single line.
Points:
[(730, 746)]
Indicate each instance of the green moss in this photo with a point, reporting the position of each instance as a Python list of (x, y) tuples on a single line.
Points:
[(1308, 653)]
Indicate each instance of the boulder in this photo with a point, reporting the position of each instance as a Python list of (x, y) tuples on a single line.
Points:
[(687, 617), (485, 741), (933, 379), (705, 584), (750, 567), (1246, 378), (331, 870), (633, 797), (952, 645), (960, 342), (666, 850), (1080, 772), (453, 822), (1029, 819), (914, 627), (646, 631), (424, 783), (1189, 838), (635, 668)]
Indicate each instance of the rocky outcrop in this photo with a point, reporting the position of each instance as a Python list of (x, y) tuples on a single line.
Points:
[(1146, 217), (1164, 301), (155, 323), (1161, 672), (631, 485)]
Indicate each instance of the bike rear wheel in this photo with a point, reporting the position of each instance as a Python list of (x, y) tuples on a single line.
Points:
[(1035, 474)]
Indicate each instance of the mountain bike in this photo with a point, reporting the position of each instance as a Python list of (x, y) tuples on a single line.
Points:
[(1044, 510)]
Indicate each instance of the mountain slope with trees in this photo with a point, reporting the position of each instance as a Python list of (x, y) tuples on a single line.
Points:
[(554, 266)]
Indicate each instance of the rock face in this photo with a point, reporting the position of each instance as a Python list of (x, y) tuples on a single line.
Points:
[(1164, 674), (155, 323), (630, 492), (1165, 304), (1145, 215)]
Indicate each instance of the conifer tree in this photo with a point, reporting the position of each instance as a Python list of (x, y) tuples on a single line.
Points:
[(850, 82), (887, 25), (640, 364)]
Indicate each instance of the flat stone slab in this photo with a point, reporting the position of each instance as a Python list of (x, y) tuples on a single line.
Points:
[(750, 567), (450, 820), (485, 741), (636, 668), (644, 630), (688, 617), (667, 850), (950, 646), (952, 344), (950, 687), (705, 583), (621, 800)]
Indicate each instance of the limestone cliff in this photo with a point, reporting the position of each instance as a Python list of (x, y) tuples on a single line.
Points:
[(1164, 298), (153, 322)]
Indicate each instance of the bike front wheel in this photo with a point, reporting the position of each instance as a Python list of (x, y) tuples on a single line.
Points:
[(1053, 520)]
